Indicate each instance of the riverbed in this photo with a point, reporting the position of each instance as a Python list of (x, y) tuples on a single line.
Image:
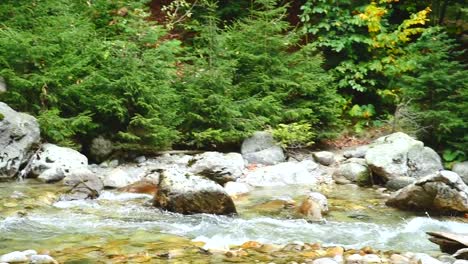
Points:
[(125, 227)]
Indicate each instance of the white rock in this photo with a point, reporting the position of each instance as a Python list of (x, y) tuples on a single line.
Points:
[(461, 261), (54, 163), (324, 261), (421, 258), (140, 159), (30, 252), (326, 158), (237, 188), (14, 257), (218, 166), (42, 259), (305, 172), (19, 137), (354, 259), (399, 155), (399, 259), (123, 176), (371, 258), (261, 148)]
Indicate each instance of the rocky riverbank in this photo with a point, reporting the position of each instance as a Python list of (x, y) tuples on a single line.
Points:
[(399, 170)]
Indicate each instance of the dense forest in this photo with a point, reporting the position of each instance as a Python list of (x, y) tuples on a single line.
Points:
[(153, 75)]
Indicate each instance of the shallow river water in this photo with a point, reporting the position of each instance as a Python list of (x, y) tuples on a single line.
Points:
[(124, 227)]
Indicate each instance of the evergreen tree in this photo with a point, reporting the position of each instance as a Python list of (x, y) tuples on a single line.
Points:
[(90, 68), (437, 90), (254, 75)]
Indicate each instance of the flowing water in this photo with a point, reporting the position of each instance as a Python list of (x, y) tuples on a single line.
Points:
[(123, 227)]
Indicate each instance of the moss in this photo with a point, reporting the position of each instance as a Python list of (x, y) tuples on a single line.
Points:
[(363, 179), (1, 116)]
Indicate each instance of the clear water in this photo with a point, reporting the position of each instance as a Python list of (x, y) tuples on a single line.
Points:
[(118, 225)]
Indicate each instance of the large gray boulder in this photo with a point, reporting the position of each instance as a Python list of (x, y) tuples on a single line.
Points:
[(442, 192), (218, 167), (353, 171), (53, 163), (19, 137), (261, 148), (399, 155), (124, 175), (190, 194), (306, 172), (84, 185), (461, 168)]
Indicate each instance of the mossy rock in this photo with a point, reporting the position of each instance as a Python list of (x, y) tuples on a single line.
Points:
[(364, 178)]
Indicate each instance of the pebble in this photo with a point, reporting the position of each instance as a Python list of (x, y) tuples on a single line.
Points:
[(399, 259), (324, 261), (42, 259), (447, 259), (371, 258), (14, 257), (425, 259), (354, 259), (30, 252)]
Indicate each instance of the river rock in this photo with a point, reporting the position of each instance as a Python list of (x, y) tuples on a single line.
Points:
[(399, 259), (371, 258), (354, 259), (190, 194), (100, 149), (399, 155), (30, 252), (324, 261), (326, 158), (398, 183), (359, 152), (42, 259), (442, 192), (421, 258), (84, 185), (53, 163), (14, 257), (237, 188), (314, 206), (461, 168), (353, 170), (123, 175), (218, 167), (19, 137), (261, 148), (305, 172)]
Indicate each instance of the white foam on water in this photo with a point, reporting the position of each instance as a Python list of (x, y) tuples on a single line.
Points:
[(111, 196), (76, 203)]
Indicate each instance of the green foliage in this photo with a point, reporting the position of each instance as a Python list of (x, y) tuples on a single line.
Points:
[(363, 43), (238, 83), (452, 156), (89, 68), (60, 130), (295, 135), (436, 87), (362, 116)]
